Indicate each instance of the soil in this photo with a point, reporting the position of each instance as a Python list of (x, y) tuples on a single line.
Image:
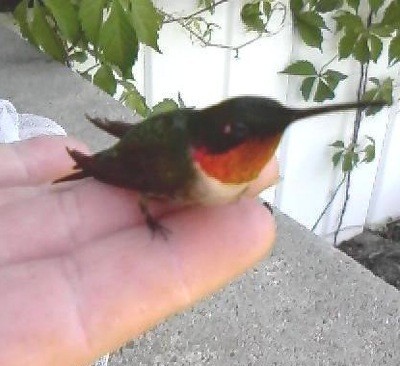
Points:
[(378, 251)]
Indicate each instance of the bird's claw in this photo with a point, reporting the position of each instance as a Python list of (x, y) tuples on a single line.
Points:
[(156, 228)]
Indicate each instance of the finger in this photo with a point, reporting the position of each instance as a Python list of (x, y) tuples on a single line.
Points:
[(37, 160), (14, 194), (54, 223), (106, 294)]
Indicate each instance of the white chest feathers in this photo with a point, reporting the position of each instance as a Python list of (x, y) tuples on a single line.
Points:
[(210, 191)]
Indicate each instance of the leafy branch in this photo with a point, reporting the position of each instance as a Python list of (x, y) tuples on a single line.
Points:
[(255, 15), (362, 39), (102, 38), (323, 82), (208, 6)]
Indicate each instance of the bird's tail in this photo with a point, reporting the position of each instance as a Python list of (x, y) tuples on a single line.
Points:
[(82, 161), (309, 112)]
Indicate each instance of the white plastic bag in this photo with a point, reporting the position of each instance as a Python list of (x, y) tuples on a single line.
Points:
[(17, 127)]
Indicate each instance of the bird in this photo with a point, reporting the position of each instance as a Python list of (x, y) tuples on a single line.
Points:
[(194, 156)]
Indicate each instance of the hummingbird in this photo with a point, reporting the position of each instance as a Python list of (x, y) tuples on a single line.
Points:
[(197, 156)]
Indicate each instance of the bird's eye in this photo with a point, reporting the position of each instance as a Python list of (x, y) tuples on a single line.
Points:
[(237, 131), (226, 136), (227, 129)]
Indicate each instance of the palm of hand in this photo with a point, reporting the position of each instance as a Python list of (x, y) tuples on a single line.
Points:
[(79, 271)]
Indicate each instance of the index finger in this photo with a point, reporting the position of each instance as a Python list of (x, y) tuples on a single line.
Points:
[(37, 160)]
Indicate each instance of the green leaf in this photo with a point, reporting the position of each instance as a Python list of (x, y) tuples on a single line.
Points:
[(336, 158), (166, 105), (353, 4), (386, 91), (381, 30), (347, 164), (338, 144), (313, 19), (383, 91), (118, 40), (66, 17), (209, 4), (325, 6), (45, 35), (91, 16), (375, 47), (391, 16), (134, 100), (361, 51), (323, 92), (251, 17), (105, 80), (79, 56), (346, 44), (301, 67), (394, 50), (350, 22), (311, 36), (266, 8), (296, 6), (375, 5), (333, 77), (309, 25), (147, 22), (21, 16), (369, 152), (306, 87)]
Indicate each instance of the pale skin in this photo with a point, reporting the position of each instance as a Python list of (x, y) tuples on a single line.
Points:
[(80, 273)]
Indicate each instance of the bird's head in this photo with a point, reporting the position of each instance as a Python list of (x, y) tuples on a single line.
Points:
[(233, 140)]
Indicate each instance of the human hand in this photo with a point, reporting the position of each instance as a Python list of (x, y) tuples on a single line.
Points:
[(80, 273)]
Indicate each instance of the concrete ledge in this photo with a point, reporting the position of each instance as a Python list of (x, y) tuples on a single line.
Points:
[(308, 304)]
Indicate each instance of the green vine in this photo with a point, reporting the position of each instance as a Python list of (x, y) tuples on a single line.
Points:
[(361, 38)]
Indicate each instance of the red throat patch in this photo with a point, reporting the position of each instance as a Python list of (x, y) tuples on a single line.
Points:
[(240, 164)]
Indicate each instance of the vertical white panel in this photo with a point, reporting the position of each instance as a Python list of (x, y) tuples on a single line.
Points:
[(185, 66), (385, 200), (256, 69), (362, 182), (308, 176)]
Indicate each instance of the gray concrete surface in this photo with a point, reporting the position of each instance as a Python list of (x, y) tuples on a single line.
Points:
[(308, 304)]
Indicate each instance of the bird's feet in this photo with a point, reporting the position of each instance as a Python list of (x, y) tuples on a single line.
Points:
[(152, 223), (268, 206)]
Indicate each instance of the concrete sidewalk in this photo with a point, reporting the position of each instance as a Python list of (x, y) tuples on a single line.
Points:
[(308, 304)]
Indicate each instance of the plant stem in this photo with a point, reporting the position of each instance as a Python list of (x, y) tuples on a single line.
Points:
[(207, 43), (171, 19), (328, 204), (356, 130), (327, 64)]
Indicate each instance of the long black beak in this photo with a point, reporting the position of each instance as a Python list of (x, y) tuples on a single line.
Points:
[(309, 112)]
